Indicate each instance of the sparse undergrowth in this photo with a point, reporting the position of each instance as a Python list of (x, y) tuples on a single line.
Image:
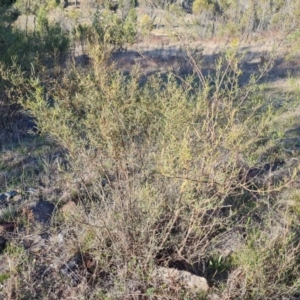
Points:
[(197, 173)]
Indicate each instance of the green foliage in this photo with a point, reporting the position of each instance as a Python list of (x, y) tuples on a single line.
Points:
[(42, 20), (53, 3), (45, 44), (6, 2), (181, 125), (202, 5), (267, 265), (146, 24), (4, 277), (130, 26), (113, 30), (178, 151), (252, 16), (176, 9), (29, 7), (218, 264)]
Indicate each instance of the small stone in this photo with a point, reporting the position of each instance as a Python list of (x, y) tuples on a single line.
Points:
[(184, 279), (31, 191), (6, 196), (57, 239), (60, 238), (71, 269), (11, 194)]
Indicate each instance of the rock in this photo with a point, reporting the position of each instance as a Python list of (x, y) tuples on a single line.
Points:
[(226, 243), (6, 196), (57, 239), (31, 191), (184, 279), (40, 211), (71, 269), (78, 267)]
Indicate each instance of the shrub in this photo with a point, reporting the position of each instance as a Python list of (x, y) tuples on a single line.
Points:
[(159, 163), (113, 31), (146, 24), (6, 2), (157, 169)]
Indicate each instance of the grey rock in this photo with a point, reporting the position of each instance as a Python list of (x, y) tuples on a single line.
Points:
[(60, 238), (7, 195), (227, 242), (11, 194), (72, 268), (186, 280), (31, 191)]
